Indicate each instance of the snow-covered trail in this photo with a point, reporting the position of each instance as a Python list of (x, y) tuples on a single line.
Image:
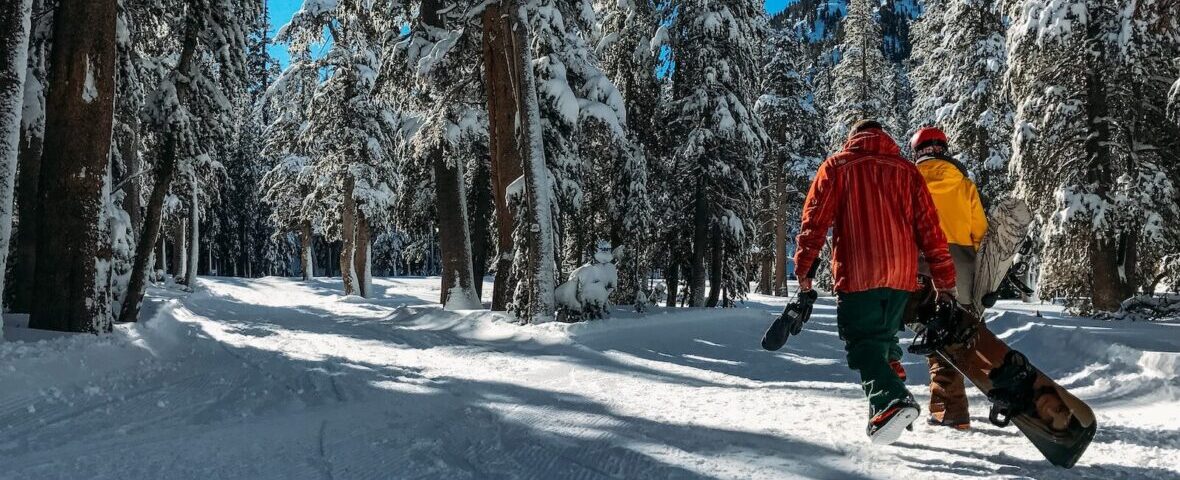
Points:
[(274, 378)]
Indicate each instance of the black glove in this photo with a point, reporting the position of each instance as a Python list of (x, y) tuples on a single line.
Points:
[(791, 321)]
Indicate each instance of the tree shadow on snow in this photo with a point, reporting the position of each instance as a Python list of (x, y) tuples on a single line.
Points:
[(410, 327), (1003, 464), (815, 355), (236, 411)]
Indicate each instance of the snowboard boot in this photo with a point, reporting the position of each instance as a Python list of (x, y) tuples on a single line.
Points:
[(961, 426), (886, 427), (898, 369)]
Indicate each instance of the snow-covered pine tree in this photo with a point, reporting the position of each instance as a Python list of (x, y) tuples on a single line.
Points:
[(348, 130), (240, 245), (863, 84), (717, 48), (16, 23), (628, 43), (19, 288), (534, 262), (69, 291), (581, 112), (438, 69), (958, 77), (287, 187), (794, 149), (1090, 148), (134, 65), (187, 115)]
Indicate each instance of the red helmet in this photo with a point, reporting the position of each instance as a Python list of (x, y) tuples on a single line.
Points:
[(926, 138)]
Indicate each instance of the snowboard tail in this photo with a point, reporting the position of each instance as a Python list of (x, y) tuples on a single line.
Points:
[(1058, 424), (1007, 223)]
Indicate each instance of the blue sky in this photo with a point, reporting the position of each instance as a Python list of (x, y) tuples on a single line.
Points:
[(281, 11)]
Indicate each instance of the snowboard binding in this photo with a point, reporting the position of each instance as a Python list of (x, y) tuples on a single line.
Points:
[(944, 324), (791, 321), (1013, 282), (1014, 278), (1012, 390)]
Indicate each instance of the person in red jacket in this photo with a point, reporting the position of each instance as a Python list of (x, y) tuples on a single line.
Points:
[(882, 216)]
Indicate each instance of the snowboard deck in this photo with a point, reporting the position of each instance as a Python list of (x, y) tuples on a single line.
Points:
[(1008, 223), (1057, 423)]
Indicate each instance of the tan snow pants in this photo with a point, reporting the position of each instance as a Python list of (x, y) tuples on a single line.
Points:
[(948, 394)]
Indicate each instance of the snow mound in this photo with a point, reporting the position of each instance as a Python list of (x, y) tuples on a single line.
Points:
[(1102, 361)]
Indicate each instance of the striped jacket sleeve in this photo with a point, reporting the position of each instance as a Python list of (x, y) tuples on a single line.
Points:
[(819, 211), (930, 237)]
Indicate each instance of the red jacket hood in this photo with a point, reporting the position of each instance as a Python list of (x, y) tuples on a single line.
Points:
[(873, 141)]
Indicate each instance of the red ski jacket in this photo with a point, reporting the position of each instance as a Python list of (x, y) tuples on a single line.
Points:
[(883, 215)]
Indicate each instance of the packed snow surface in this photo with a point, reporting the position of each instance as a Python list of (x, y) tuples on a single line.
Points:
[(280, 379)]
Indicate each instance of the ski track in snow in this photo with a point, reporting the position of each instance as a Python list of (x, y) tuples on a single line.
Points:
[(278, 379)]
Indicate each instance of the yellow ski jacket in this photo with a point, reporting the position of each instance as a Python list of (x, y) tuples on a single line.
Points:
[(959, 210)]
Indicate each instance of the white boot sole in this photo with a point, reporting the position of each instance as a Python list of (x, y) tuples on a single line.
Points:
[(895, 426)]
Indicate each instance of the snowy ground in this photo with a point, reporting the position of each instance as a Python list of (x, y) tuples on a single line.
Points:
[(277, 379)]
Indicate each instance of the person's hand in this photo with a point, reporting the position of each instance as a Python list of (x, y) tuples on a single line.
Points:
[(948, 294), (804, 284)]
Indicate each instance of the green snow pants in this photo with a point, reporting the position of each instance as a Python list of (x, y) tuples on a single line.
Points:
[(868, 323)]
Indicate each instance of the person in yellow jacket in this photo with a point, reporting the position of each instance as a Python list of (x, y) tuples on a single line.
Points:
[(961, 216)]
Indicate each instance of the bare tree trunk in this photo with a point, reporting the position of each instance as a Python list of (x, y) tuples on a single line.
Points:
[(194, 244), (481, 206), (306, 256), (502, 67), (672, 281), (15, 24), (245, 249), (27, 188), (130, 153), (780, 233), (716, 249), (161, 255), (454, 240), (348, 237), (179, 255), (1115, 273), (766, 273), (80, 112), (700, 241), (360, 257), (149, 235)]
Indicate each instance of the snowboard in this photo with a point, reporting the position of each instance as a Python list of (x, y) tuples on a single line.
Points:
[(1008, 223), (1057, 423)]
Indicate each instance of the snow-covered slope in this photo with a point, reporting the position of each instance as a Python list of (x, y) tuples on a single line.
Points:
[(279, 379)]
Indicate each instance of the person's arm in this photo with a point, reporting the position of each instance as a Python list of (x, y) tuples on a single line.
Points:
[(978, 217), (819, 211), (930, 237)]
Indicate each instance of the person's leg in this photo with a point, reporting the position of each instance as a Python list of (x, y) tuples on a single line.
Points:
[(868, 325), (948, 394), (964, 258)]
